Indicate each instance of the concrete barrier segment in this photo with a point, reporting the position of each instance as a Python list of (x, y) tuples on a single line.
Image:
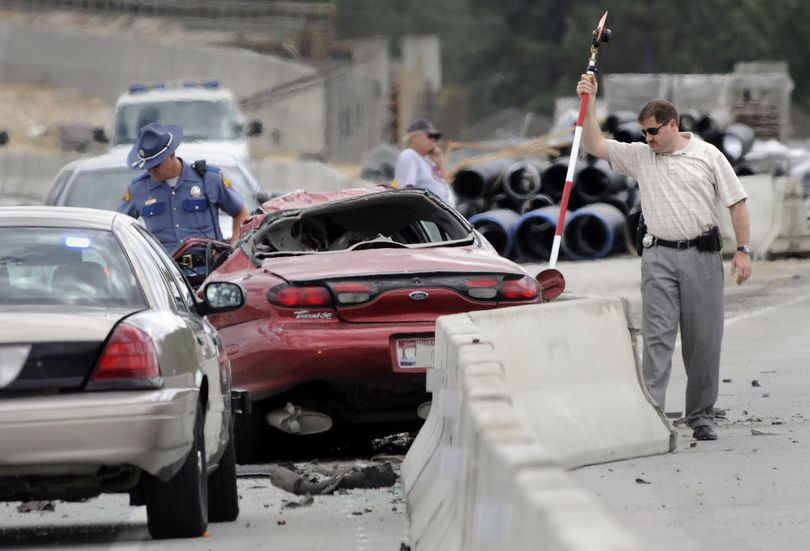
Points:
[(571, 370), (766, 196), (425, 468), (442, 419), (445, 411), (436, 496), (499, 455), (552, 512), (460, 463), (535, 390), (450, 332)]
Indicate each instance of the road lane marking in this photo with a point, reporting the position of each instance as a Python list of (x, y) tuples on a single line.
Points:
[(766, 309)]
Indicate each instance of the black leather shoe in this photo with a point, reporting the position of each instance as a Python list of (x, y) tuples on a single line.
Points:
[(704, 432)]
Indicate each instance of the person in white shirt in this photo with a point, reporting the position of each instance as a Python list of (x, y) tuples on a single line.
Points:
[(682, 180), (421, 164)]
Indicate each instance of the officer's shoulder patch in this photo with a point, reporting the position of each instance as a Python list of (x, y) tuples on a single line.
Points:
[(225, 182), (127, 196)]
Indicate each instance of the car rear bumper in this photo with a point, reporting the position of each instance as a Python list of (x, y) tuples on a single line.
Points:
[(77, 433), (268, 360)]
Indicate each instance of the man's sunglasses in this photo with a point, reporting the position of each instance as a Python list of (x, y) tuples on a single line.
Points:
[(434, 136), (652, 131)]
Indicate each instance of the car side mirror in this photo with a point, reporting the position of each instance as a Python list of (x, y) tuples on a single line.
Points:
[(220, 297), (100, 135), (255, 127), (552, 284)]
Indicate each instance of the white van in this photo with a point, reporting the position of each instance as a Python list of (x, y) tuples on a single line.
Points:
[(209, 115)]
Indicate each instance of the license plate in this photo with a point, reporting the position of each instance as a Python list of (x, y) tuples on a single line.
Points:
[(415, 353)]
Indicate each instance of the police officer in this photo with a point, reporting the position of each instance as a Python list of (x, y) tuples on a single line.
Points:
[(175, 200)]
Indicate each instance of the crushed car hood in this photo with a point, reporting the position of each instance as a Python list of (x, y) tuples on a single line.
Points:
[(388, 261)]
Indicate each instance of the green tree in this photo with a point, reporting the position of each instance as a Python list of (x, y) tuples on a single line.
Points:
[(525, 53)]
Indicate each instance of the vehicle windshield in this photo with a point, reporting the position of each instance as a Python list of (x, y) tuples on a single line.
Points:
[(200, 120), (65, 266), (104, 188)]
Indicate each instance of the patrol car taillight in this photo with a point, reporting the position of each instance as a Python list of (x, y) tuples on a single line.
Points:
[(297, 297), (129, 360)]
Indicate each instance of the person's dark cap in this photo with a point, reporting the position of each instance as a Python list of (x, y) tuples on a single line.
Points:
[(155, 144), (426, 126)]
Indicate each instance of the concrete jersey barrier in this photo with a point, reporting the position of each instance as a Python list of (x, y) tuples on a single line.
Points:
[(571, 368), (521, 395)]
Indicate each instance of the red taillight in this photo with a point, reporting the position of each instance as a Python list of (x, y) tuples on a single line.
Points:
[(519, 289), (129, 354), (299, 296)]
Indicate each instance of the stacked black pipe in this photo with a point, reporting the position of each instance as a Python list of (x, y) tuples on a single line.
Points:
[(514, 203)]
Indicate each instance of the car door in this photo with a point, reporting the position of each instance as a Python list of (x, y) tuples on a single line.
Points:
[(210, 351)]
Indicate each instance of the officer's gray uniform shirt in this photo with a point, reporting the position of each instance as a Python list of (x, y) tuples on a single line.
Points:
[(189, 209)]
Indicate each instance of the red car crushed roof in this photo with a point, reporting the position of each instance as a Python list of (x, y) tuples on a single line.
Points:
[(343, 291)]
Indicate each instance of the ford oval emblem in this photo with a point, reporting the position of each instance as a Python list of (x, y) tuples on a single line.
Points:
[(418, 295)]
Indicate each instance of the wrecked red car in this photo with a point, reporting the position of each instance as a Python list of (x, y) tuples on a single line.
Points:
[(343, 291)]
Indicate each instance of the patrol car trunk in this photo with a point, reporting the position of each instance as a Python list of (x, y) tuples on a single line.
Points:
[(48, 350)]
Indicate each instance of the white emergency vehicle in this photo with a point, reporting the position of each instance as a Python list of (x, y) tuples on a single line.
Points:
[(209, 115)]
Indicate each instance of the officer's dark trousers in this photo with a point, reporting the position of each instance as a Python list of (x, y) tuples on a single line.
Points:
[(683, 287)]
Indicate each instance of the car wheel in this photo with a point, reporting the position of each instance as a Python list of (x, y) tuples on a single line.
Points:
[(223, 498), (178, 507)]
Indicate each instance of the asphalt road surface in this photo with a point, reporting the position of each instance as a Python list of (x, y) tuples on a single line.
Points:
[(270, 518), (746, 491)]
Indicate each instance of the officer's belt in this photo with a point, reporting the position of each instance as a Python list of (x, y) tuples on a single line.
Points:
[(683, 244), (192, 260)]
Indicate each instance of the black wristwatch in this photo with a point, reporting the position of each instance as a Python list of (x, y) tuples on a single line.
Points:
[(744, 249)]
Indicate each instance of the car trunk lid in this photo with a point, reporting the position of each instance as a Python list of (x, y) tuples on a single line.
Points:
[(371, 286), (53, 348)]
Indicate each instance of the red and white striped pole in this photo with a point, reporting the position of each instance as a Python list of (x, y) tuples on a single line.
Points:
[(598, 35)]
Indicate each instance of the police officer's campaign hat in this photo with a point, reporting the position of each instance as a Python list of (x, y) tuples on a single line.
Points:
[(156, 142)]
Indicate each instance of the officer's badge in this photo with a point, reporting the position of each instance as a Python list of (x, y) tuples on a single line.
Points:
[(142, 153), (150, 201), (196, 192)]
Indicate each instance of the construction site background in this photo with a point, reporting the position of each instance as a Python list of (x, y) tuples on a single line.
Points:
[(344, 98)]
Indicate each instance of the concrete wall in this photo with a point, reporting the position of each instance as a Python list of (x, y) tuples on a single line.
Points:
[(282, 176), (358, 102), (26, 177), (422, 55), (104, 66), (418, 80)]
